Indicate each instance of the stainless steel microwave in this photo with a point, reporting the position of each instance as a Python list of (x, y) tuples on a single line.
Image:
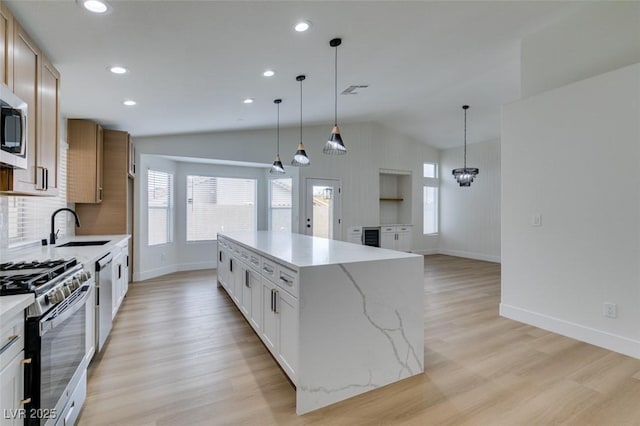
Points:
[(13, 130)]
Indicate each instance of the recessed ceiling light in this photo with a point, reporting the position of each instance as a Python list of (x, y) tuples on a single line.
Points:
[(248, 101), (116, 69), (129, 102), (95, 6), (302, 26), (269, 73)]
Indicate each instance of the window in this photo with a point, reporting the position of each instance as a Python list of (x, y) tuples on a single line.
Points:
[(280, 204), (430, 198), (217, 204), (160, 193)]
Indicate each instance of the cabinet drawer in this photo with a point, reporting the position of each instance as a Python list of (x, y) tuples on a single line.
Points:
[(11, 339), (388, 229), (269, 269), (255, 261), (288, 280), (403, 229), (244, 255)]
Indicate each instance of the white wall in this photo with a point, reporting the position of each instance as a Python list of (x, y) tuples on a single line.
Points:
[(470, 216), (370, 148), (571, 155), (601, 37)]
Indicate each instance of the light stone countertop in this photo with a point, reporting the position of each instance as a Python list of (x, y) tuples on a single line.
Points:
[(12, 305), (86, 255), (301, 251)]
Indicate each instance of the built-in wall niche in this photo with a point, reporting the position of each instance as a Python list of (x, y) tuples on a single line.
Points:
[(395, 197)]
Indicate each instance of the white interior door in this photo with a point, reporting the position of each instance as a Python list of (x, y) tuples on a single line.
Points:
[(323, 208)]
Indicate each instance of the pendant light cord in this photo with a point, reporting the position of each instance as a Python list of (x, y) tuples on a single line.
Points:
[(278, 133), (335, 89), (465, 138), (300, 111)]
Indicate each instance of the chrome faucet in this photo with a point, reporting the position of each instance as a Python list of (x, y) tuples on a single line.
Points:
[(54, 235)]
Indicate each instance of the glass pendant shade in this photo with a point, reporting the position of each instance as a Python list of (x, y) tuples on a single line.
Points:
[(277, 167), (465, 175), (334, 145), (300, 158)]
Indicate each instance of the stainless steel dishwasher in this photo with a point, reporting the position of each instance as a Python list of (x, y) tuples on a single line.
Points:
[(104, 296)]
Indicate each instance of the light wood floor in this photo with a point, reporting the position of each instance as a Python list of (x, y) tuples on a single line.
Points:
[(180, 353)]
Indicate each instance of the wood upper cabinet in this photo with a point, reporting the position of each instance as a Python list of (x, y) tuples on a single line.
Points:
[(84, 162), (26, 80), (110, 216), (131, 158), (6, 46), (49, 113), (35, 80)]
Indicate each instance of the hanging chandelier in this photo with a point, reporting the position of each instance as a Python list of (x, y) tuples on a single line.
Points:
[(277, 167), (465, 175), (300, 158), (334, 145)]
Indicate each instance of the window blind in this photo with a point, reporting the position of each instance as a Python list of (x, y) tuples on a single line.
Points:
[(29, 218), (218, 204), (280, 202), (160, 207)]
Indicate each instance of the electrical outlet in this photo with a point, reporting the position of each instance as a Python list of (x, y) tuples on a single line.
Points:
[(536, 219), (610, 310)]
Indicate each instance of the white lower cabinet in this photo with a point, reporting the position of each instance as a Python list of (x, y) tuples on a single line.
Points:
[(251, 305), (270, 308), (90, 325), (396, 237), (11, 391), (280, 326), (12, 371)]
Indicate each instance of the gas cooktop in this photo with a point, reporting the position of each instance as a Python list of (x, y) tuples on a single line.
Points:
[(31, 277)]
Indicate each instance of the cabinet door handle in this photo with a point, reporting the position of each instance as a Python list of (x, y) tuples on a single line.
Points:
[(246, 279), (267, 269), (127, 261), (220, 256), (119, 271), (40, 178), (99, 194), (12, 340), (275, 301), (271, 307), (231, 265), (286, 281)]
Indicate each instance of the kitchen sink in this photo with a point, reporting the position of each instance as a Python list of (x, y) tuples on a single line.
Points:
[(84, 243)]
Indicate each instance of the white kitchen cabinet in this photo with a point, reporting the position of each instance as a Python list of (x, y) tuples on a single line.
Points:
[(235, 281), (12, 370), (116, 273), (396, 237), (251, 305), (90, 324), (12, 390), (280, 326)]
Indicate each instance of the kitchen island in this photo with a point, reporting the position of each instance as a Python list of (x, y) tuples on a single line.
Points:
[(341, 319)]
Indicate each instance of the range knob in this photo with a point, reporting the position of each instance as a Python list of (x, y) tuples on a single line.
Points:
[(65, 290), (56, 296), (82, 277)]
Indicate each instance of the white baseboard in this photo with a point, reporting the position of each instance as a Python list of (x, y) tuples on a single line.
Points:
[(471, 255), (170, 269), (197, 266), (590, 335), (425, 252), (152, 273)]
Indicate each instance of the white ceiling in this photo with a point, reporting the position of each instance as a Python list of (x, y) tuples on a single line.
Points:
[(192, 62)]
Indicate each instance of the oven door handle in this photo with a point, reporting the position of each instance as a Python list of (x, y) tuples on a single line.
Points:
[(47, 324)]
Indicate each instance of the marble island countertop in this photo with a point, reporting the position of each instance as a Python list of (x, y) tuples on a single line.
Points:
[(83, 254), (302, 250)]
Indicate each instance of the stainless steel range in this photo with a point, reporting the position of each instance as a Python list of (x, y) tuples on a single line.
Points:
[(55, 334)]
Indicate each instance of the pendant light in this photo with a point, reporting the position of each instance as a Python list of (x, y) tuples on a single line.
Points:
[(465, 175), (300, 158), (277, 167), (334, 145)]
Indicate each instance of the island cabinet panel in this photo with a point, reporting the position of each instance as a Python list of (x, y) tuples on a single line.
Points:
[(340, 319)]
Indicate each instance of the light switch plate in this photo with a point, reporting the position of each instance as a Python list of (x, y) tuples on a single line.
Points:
[(536, 219)]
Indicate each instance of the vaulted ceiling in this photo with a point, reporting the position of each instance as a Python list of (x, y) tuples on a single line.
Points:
[(193, 62)]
